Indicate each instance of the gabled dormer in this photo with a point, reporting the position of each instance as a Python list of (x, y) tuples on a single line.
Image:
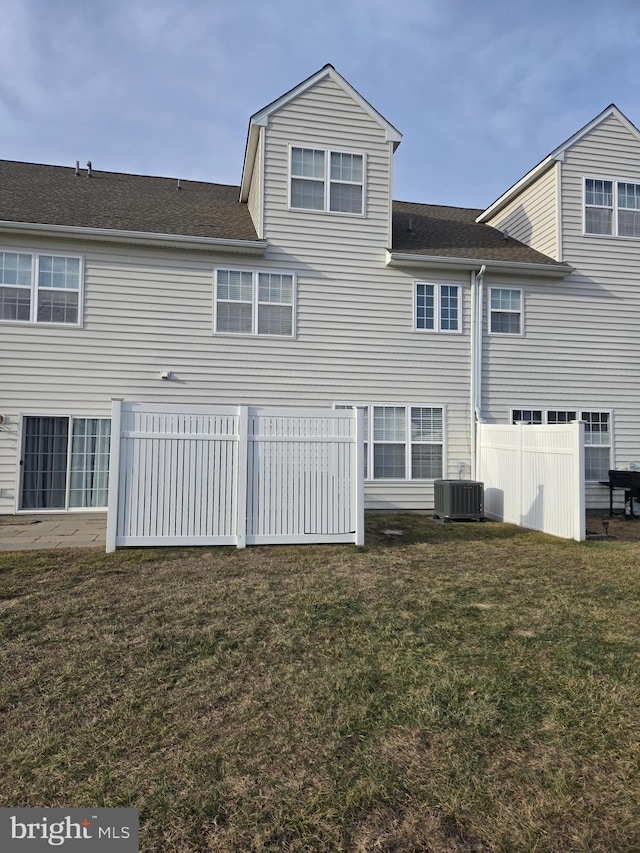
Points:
[(319, 157), (581, 195)]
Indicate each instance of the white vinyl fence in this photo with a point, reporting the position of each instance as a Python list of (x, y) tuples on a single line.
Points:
[(534, 476), (234, 475)]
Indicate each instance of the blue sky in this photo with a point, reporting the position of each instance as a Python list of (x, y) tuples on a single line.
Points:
[(481, 90)]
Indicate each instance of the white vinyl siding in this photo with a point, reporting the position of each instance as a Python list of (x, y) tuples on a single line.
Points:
[(40, 288), (322, 179), (532, 216), (254, 303), (611, 208), (597, 435), (505, 311), (437, 307)]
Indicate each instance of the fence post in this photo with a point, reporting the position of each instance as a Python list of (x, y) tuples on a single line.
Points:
[(114, 474), (241, 477), (520, 475), (358, 475), (579, 521)]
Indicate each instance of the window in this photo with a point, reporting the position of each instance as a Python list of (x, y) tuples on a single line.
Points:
[(327, 180), (65, 462), (526, 416), (597, 434), (38, 288), (437, 307), (505, 311), (611, 207), (402, 442), (254, 303), (597, 445)]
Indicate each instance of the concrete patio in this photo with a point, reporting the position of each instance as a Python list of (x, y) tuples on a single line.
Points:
[(68, 530)]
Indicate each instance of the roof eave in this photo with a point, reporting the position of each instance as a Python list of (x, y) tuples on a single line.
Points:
[(405, 259), (139, 238), (557, 154), (518, 187)]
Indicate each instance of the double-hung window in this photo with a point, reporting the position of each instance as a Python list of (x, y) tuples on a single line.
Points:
[(611, 208), (40, 288), (437, 307), (402, 442), (505, 311), (597, 434), (254, 303), (327, 180)]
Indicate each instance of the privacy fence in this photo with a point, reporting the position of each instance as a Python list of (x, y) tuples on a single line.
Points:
[(234, 475), (534, 476)]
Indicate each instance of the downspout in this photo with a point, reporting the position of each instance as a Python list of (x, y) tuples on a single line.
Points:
[(477, 302)]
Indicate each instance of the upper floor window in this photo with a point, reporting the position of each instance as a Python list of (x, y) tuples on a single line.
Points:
[(437, 307), (40, 288), (254, 303), (322, 179), (611, 208), (505, 311)]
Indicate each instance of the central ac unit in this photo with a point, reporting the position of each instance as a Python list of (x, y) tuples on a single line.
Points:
[(458, 499)]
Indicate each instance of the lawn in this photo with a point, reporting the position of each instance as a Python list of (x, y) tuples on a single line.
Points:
[(469, 687)]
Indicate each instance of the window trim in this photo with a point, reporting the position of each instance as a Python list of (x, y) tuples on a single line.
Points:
[(437, 326), (328, 151), (490, 311), (369, 440), (255, 273), (34, 288), (580, 411), (614, 181)]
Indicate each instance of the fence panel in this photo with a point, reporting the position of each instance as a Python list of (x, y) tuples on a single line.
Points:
[(301, 476), (176, 476), (534, 476), (216, 475)]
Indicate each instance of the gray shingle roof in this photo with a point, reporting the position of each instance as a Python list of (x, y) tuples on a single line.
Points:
[(53, 195), (452, 232)]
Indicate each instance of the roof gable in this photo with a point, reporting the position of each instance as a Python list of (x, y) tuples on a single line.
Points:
[(261, 118), (557, 154)]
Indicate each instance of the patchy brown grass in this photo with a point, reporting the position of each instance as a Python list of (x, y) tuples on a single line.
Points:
[(459, 688)]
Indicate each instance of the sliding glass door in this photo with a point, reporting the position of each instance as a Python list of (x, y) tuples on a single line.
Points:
[(65, 462)]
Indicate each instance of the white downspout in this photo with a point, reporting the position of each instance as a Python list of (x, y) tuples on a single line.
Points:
[(472, 372), (477, 302)]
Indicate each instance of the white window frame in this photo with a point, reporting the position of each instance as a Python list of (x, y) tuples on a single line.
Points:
[(580, 411), (615, 182), (34, 288), (255, 303), (437, 309), (408, 441), (490, 312), (327, 179), (20, 467)]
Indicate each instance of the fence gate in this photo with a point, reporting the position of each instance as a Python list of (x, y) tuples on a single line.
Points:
[(534, 476), (234, 475)]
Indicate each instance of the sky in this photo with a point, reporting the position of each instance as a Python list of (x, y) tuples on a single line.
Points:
[(481, 91)]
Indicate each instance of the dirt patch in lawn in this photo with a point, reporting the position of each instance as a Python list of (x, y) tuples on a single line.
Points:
[(625, 529)]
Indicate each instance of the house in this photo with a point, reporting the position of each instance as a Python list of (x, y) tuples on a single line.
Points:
[(308, 285)]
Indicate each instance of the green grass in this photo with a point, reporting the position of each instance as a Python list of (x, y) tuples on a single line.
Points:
[(461, 688)]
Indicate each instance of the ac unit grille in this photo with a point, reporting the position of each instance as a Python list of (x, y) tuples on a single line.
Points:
[(458, 499)]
